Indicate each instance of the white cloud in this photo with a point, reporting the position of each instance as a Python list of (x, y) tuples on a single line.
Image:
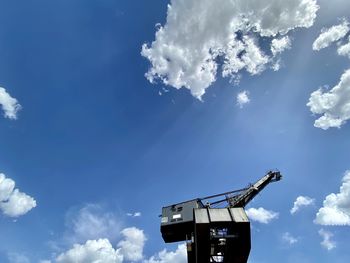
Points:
[(330, 35), (178, 256), (18, 204), (278, 45), (130, 248), (91, 222), (136, 214), (301, 201), (253, 59), (93, 251), (288, 238), (334, 105), (242, 98), (276, 65), (344, 50), (236, 79), (261, 215), (336, 207), (132, 245), (197, 32), (13, 203), (9, 105), (7, 186), (327, 243)]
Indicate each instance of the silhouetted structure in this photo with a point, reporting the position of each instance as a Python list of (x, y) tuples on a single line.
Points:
[(216, 228)]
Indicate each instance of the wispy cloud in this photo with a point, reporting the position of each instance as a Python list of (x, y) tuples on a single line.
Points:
[(9, 104), (91, 222), (14, 203), (242, 98), (327, 243), (288, 238), (17, 258), (336, 207), (261, 215), (136, 214), (301, 201), (197, 32)]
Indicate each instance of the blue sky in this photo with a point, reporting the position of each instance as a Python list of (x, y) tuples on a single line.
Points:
[(94, 142)]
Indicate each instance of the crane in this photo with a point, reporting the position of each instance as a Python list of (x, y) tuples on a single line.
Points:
[(216, 228)]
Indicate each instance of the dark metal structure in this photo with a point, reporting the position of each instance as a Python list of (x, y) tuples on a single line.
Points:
[(216, 228)]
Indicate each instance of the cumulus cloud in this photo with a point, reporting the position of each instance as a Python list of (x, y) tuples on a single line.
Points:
[(9, 104), (196, 33), (130, 248), (7, 186), (13, 203), (261, 215), (336, 207), (177, 256), (92, 251), (331, 35), (288, 238), (301, 201), (327, 243), (334, 105), (242, 98), (91, 222), (18, 204), (132, 245)]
